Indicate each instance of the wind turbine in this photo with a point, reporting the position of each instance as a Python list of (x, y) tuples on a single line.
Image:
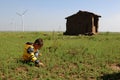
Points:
[(22, 18)]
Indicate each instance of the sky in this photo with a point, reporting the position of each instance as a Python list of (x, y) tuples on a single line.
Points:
[(49, 15)]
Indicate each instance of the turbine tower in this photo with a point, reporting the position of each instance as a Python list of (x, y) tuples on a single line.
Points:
[(22, 18)]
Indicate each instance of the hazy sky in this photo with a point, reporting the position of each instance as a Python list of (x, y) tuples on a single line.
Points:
[(49, 15)]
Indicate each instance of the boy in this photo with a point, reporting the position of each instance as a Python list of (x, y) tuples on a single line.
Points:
[(31, 52)]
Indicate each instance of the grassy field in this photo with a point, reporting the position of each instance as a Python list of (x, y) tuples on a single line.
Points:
[(65, 57)]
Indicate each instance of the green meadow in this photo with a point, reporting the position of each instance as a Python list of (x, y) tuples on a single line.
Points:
[(65, 57)]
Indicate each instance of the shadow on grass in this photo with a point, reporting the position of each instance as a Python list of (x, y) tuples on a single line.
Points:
[(114, 76), (25, 62)]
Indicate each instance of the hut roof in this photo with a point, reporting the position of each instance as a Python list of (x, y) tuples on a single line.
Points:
[(85, 12)]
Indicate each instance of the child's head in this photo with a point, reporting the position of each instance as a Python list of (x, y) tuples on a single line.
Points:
[(38, 43)]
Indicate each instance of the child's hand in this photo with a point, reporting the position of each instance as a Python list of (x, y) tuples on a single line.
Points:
[(40, 54), (41, 64)]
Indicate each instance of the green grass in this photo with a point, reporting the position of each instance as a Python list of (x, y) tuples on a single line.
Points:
[(65, 57)]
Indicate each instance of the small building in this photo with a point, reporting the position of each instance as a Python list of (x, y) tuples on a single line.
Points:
[(83, 22)]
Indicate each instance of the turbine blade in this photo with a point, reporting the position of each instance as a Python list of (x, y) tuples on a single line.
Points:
[(24, 12), (18, 14)]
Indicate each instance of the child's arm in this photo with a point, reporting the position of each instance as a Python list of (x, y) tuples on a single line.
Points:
[(30, 51)]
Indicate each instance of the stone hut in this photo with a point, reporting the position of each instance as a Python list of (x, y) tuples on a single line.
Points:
[(83, 22)]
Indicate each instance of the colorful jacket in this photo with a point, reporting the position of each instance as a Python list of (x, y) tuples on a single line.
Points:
[(30, 54)]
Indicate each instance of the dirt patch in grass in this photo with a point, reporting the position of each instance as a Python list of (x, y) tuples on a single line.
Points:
[(115, 67), (2, 76), (22, 69)]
